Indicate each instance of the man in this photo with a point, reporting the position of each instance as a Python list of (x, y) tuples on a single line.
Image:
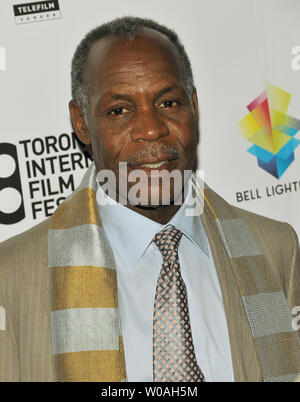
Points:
[(139, 290)]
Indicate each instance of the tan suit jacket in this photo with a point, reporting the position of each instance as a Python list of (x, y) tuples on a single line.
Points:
[(25, 344)]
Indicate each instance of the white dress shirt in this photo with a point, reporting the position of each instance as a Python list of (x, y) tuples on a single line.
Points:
[(138, 262)]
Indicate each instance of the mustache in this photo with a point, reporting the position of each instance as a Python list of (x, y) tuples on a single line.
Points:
[(154, 151)]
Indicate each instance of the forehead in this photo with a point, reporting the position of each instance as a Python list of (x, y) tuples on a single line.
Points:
[(112, 60)]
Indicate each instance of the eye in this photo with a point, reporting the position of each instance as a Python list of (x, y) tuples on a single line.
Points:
[(117, 111), (169, 103)]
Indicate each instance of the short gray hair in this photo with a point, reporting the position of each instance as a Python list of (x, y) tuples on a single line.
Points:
[(120, 27)]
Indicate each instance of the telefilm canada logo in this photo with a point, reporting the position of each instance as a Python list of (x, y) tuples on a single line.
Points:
[(36, 11)]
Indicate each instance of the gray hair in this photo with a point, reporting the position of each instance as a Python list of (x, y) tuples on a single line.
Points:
[(120, 27)]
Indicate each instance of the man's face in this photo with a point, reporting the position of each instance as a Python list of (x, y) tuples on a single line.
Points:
[(140, 111)]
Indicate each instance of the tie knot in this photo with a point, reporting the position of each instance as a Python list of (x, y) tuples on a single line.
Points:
[(168, 239)]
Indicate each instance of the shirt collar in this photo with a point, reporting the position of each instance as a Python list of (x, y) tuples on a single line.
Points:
[(130, 233)]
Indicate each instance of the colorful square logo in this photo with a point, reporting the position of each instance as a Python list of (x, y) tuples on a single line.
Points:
[(271, 130)]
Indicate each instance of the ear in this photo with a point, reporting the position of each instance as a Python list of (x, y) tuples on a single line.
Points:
[(195, 103), (79, 124), (196, 110)]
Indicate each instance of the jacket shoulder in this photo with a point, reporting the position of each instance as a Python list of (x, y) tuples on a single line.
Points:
[(20, 251), (278, 242), (280, 245), (269, 233), (267, 229)]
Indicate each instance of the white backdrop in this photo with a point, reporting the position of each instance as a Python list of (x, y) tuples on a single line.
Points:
[(235, 46)]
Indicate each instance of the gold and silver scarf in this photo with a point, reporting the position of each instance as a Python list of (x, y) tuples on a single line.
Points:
[(85, 323)]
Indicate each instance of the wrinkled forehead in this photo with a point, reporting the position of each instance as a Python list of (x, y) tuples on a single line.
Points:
[(147, 47)]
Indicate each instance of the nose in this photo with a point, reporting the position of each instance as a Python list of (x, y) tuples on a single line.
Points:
[(148, 126)]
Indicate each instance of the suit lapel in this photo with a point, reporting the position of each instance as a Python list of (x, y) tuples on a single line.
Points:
[(244, 355), (45, 293)]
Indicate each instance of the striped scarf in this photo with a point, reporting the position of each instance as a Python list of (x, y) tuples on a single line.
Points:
[(85, 323)]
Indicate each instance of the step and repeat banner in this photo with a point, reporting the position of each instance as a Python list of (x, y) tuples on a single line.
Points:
[(245, 56)]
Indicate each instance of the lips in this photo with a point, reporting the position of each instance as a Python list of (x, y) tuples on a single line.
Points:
[(153, 163), (152, 167)]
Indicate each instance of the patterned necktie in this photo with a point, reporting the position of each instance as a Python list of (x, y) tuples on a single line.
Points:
[(173, 350)]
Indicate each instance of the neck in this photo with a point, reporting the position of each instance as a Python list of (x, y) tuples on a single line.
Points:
[(161, 214)]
